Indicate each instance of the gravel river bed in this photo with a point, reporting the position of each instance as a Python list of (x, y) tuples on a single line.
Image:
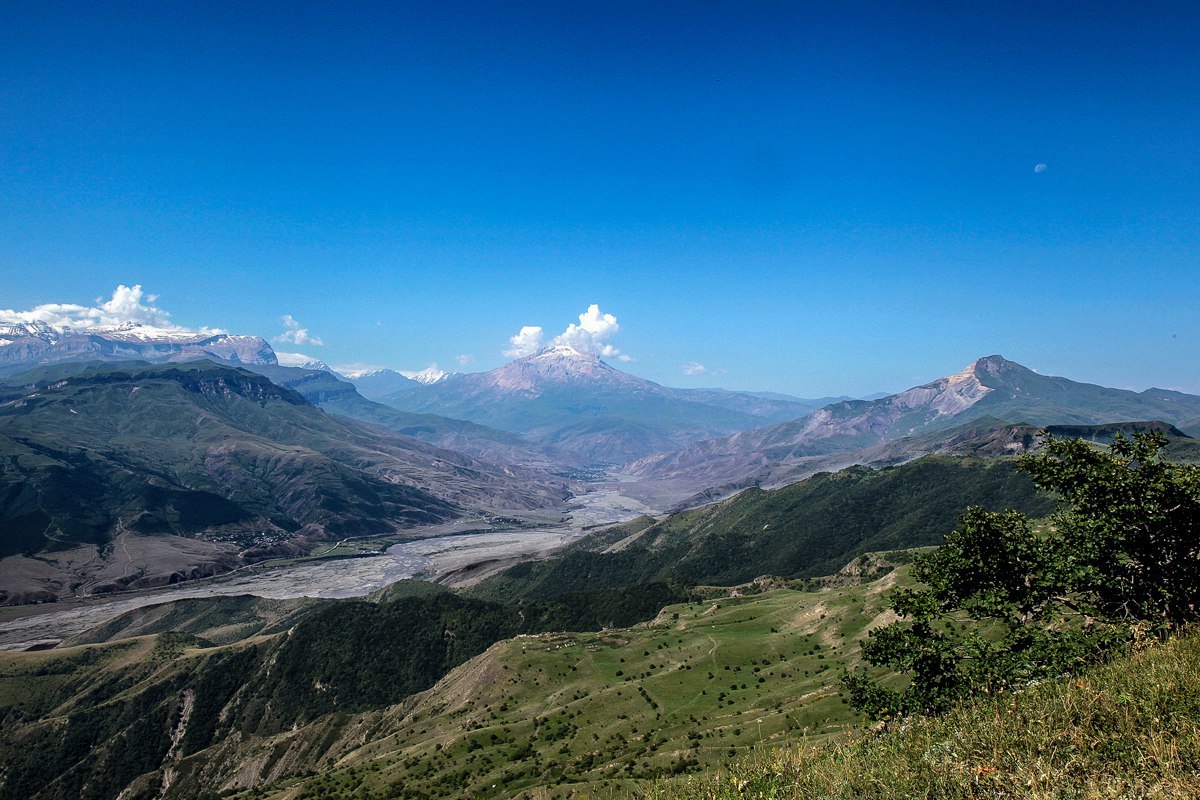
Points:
[(28, 626), (336, 578)]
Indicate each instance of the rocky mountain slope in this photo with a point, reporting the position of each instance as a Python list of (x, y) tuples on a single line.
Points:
[(989, 387)]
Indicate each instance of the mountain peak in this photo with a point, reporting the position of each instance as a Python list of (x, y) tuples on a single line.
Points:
[(997, 372), (955, 393), (564, 350), (995, 364), (301, 360), (558, 365), (427, 376)]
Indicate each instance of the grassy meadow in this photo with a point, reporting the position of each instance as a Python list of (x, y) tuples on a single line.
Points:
[(557, 715)]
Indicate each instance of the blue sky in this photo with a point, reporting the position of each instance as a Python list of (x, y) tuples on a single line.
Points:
[(810, 198)]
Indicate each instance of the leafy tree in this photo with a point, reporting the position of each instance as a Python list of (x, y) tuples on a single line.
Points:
[(1131, 537), (1005, 603)]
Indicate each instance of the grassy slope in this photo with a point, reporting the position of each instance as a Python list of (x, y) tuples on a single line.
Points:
[(554, 715), (102, 722), (618, 712), (1128, 729), (608, 709), (220, 620), (808, 529)]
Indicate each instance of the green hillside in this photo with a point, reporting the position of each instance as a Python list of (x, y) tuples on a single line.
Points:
[(571, 714), (808, 529), (327, 391), (353, 688), (182, 450)]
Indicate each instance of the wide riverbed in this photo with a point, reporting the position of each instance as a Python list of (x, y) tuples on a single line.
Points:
[(23, 627), (347, 577)]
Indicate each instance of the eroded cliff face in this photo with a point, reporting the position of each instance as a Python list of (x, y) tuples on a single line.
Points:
[(952, 394)]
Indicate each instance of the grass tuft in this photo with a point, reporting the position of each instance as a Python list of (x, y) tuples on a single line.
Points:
[(1130, 729)]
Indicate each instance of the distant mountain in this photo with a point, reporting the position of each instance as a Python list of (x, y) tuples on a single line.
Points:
[(989, 387), (376, 383), (127, 476), (575, 402), (985, 436), (429, 375), (24, 345), (301, 361), (327, 391)]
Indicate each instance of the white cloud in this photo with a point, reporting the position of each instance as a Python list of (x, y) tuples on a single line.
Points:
[(696, 368), (127, 304), (296, 333), (525, 343), (296, 359), (465, 358), (590, 335)]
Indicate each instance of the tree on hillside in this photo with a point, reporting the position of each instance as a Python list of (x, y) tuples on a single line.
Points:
[(1006, 602)]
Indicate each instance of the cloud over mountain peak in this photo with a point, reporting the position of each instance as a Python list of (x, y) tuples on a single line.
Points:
[(590, 335)]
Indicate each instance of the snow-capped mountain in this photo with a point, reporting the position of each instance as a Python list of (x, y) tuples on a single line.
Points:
[(429, 375), (25, 344), (558, 366), (575, 401), (376, 382), (301, 361)]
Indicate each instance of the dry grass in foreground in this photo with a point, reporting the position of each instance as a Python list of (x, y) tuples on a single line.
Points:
[(1130, 729)]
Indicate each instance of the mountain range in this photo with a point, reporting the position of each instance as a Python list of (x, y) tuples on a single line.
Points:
[(324, 389), (23, 345), (575, 402), (991, 388), (133, 462), (211, 453)]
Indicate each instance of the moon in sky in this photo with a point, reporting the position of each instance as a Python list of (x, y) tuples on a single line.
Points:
[(1040, 168)]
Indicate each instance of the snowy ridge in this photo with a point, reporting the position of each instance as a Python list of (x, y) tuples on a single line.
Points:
[(301, 361), (428, 376), (40, 343), (560, 365)]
